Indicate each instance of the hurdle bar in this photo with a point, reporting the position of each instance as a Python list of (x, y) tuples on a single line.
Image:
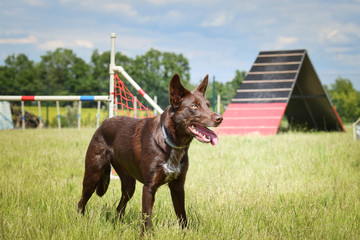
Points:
[(57, 99), (54, 98)]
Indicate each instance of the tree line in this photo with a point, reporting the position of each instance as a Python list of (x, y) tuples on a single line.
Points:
[(61, 72)]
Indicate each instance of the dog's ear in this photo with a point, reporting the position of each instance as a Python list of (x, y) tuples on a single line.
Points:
[(203, 85), (177, 91)]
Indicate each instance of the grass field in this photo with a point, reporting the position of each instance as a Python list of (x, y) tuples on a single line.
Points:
[(288, 186), (88, 115)]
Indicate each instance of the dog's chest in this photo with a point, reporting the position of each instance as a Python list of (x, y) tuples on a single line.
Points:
[(172, 167)]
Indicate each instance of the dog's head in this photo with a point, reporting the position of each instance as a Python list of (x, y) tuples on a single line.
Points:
[(190, 110)]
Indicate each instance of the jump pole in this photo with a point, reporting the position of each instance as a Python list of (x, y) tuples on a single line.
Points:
[(111, 72), (121, 70)]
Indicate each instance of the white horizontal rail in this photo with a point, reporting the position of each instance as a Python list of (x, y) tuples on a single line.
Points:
[(55, 98)]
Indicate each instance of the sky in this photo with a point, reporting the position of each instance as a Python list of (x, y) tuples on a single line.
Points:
[(217, 37)]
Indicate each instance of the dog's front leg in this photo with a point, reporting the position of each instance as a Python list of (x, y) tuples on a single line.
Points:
[(148, 199), (178, 198)]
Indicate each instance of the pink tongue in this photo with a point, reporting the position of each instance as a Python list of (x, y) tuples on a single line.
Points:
[(208, 132), (214, 140)]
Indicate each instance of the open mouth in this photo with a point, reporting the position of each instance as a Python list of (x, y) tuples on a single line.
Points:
[(203, 134)]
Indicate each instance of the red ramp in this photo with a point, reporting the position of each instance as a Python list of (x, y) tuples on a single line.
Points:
[(280, 83), (252, 118)]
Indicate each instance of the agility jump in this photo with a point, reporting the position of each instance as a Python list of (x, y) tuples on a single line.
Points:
[(111, 98)]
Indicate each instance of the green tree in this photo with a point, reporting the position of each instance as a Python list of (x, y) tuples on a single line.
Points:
[(230, 88), (18, 76), (154, 70), (100, 68), (345, 99), (66, 74)]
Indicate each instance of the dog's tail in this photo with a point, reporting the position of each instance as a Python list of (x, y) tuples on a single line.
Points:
[(104, 181)]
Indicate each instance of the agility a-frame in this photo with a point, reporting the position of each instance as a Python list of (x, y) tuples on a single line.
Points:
[(280, 83)]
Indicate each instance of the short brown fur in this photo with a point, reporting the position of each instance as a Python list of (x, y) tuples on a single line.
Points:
[(137, 150)]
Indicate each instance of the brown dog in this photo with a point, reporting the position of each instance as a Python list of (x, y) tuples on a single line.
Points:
[(153, 151)]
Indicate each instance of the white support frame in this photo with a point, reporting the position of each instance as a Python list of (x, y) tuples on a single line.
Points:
[(355, 130)]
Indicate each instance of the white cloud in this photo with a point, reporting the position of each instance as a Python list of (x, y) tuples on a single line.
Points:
[(35, 3), (282, 42), (123, 8), (52, 45), (84, 43), (340, 33), (100, 6), (26, 40), (333, 35), (218, 19)]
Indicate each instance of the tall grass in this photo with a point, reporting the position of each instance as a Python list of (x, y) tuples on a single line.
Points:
[(289, 186), (68, 115)]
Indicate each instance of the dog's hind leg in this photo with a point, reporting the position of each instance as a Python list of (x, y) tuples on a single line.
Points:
[(97, 176), (127, 188)]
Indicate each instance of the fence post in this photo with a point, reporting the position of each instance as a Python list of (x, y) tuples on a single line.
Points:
[(79, 116), (98, 114), (218, 102), (40, 118), (22, 115), (58, 114)]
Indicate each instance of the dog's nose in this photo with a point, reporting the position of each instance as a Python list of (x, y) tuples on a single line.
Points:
[(218, 119)]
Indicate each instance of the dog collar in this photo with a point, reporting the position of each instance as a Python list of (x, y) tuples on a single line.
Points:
[(168, 141)]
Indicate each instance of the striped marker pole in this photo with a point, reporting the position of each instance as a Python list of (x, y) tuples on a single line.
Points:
[(138, 88)]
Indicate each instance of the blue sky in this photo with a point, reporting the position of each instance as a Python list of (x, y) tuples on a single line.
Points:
[(218, 37)]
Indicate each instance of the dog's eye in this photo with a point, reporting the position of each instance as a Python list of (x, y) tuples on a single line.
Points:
[(194, 106)]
